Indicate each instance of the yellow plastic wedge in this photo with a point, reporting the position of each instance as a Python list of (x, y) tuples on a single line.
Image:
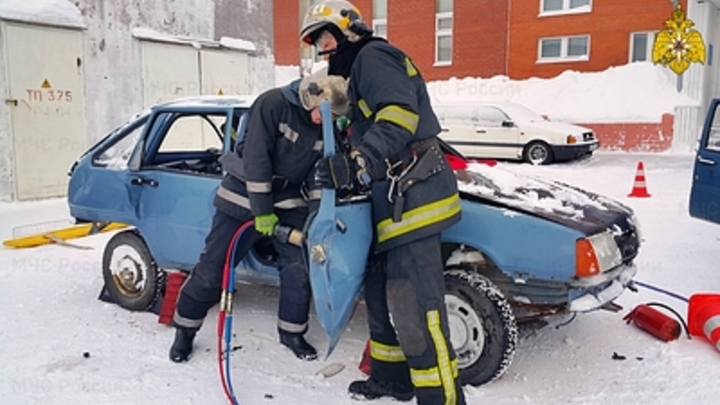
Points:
[(71, 232)]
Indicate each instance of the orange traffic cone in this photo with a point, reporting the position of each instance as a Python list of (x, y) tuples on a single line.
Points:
[(704, 317), (639, 189)]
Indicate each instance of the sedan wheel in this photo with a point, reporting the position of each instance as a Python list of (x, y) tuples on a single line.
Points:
[(131, 276), (482, 326), (538, 153)]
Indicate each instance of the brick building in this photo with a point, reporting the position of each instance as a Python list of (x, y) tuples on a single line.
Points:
[(484, 38), (530, 38)]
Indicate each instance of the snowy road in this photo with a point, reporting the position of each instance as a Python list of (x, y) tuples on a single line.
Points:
[(49, 317)]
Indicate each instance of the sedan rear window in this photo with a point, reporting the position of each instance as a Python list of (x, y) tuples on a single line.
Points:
[(116, 154)]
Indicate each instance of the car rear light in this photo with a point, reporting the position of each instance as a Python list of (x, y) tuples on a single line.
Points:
[(596, 254), (571, 139)]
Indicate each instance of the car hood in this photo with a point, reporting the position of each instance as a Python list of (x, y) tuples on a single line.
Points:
[(559, 127), (579, 209)]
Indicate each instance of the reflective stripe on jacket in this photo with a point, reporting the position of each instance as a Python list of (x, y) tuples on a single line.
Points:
[(280, 146), (392, 112)]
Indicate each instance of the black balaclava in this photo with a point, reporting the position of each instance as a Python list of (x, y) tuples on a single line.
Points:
[(342, 59)]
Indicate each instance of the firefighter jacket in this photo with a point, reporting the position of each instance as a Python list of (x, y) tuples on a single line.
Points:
[(414, 191), (273, 159)]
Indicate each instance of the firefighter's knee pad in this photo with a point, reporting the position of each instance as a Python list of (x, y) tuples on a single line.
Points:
[(407, 316)]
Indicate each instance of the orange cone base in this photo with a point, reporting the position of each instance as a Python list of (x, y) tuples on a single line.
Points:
[(639, 193), (172, 290), (704, 317)]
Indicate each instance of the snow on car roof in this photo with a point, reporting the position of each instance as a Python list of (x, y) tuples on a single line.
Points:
[(465, 109), (200, 101)]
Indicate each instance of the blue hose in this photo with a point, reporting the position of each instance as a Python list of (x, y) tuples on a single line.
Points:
[(661, 290)]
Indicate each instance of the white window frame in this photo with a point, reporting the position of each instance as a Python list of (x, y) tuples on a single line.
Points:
[(443, 33), (381, 22), (564, 44), (565, 9), (379, 19), (648, 52)]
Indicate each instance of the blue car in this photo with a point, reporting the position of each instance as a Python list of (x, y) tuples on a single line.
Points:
[(705, 191), (526, 248)]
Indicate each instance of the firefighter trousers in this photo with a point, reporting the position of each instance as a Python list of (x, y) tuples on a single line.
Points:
[(407, 284), (201, 290)]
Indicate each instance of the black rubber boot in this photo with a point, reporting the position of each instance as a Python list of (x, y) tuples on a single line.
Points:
[(182, 346), (297, 343), (374, 389)]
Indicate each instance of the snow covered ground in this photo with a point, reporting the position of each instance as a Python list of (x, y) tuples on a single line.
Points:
[(50, 317)]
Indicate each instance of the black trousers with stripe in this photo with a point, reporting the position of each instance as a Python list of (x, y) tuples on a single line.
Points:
[(407, 284), (201, 291)]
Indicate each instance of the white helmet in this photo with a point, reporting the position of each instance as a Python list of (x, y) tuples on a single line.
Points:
[(341, 14)]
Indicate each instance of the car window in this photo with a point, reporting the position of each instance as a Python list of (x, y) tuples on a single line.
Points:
[(455, 114), (235, 123), (490, 116), (713, 142), (190, 142), (116, 154), (193, 133)]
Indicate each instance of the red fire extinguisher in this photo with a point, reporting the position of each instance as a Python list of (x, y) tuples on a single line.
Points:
[(655, 322)]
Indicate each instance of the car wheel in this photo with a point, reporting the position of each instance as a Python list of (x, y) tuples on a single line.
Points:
[(482, 326), (537, 153), (131, 276)]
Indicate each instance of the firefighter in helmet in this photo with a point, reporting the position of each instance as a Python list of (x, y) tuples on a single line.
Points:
[(395, 154), (264, 180)]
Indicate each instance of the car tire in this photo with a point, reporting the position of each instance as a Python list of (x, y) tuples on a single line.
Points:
[(537, 153), (132, 278), (482, 326)]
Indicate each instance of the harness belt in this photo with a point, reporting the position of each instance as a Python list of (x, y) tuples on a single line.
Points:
[(425, 161)]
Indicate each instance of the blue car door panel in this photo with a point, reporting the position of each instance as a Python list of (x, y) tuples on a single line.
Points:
[(705, 192)]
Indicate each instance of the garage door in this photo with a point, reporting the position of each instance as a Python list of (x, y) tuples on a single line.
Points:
[(47, 107)]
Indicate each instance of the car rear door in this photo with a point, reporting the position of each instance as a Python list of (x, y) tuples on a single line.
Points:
[(705, 191), (178, 178), (99, 187)]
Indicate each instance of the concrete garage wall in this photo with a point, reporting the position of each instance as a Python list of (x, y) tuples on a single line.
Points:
[(251, 20), (112, 62), (113, 85), (6, 186)]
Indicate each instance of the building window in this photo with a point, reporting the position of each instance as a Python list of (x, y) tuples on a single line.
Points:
[(443, 31), (379, 14), (565, 6), (641, 44), (564, 49)]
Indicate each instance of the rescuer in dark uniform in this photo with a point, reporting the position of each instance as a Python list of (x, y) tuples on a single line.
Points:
[(282, 142), (414, 197)]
